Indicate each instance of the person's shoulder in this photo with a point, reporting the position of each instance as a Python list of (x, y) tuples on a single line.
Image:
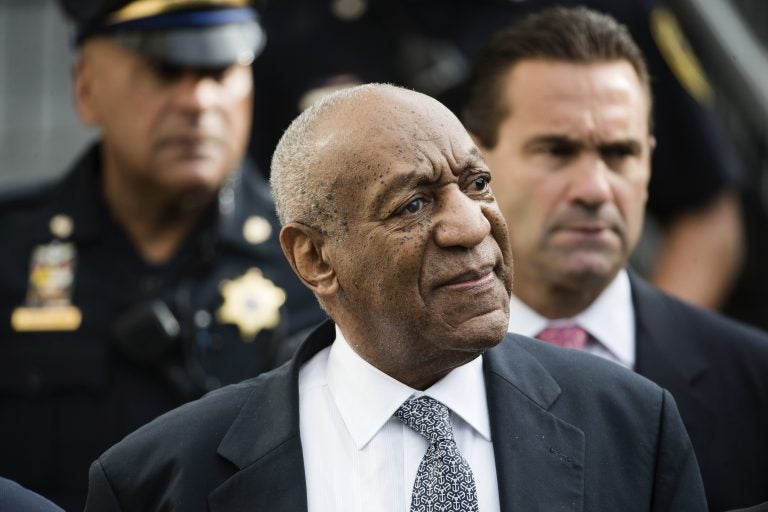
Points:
[(183, 455), (583, 368), (719, 326), (27, 197), (26, 212), (708, 328), (14, 497), (185, 437), (589, 390), (201, 423), (40, 196), (584, 381)]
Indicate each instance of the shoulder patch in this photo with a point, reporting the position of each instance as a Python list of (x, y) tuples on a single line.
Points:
[(678, 54)]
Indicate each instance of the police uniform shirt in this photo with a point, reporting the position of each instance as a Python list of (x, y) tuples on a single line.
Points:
[(94, 342)]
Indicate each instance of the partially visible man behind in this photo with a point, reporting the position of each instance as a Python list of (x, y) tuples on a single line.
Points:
[(412, 398), (560, 106), (151, 272)]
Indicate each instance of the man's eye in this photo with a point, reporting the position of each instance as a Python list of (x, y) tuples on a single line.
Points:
[(167, 72), (218, 74), (617, 152), (480, 183), (414, 206), (561, 150)]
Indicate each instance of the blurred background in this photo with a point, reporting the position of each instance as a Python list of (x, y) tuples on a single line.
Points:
[(40, 134)]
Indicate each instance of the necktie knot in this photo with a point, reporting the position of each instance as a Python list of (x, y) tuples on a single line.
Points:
[(568, 336), (427, 417)]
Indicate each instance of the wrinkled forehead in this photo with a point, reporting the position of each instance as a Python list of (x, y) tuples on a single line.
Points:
[(539, 88), (408, 130), (389, 140)]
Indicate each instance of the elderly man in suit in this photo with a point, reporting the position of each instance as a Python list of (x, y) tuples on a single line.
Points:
[(560, 106), (409, 400)]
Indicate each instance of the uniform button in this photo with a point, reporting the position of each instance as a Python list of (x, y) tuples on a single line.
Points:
[(256, 230), (61, 225), (202, 319)]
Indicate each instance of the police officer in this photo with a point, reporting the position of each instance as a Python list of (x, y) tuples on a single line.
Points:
[(151, 272), (318, 46)]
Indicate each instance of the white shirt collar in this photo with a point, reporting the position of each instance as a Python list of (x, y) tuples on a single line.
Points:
[(367, 398), (610, 319)]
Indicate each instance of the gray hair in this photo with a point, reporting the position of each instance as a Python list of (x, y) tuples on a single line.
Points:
[(302, 174)]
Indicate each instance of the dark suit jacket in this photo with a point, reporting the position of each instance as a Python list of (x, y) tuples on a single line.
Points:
[(571, 432), (717, 370)]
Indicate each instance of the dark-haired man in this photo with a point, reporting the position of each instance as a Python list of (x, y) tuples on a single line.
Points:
[(560, 106)]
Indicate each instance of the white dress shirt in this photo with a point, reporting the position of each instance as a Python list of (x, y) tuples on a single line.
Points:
[(610, 319), (358, 457)]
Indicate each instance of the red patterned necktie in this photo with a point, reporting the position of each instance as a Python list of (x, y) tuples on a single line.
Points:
[(568, 336)]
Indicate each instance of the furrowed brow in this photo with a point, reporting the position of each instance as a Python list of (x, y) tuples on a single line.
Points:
[(473, 159), (403, 182), (630, 146), (551, 140)]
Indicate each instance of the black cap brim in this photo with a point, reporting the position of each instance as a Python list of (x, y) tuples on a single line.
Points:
[(215, 46)]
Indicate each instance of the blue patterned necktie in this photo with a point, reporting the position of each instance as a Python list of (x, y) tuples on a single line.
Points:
[(444, 481)]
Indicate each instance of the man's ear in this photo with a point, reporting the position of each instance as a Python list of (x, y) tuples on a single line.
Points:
[(82, 76), (308, 255)]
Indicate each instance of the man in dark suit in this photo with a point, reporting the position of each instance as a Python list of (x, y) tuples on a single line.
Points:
[(409, 396), (560, 106)]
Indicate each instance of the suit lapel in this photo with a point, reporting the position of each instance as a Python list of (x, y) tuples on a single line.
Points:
[(265, 445), (668, 353), (661, 351), (539, 457)]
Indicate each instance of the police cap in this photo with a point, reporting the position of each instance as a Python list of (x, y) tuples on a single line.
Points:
[(188, 33)]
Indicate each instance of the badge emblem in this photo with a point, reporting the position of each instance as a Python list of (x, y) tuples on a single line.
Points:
[(61, 225), (251, 302), (48, 305)]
